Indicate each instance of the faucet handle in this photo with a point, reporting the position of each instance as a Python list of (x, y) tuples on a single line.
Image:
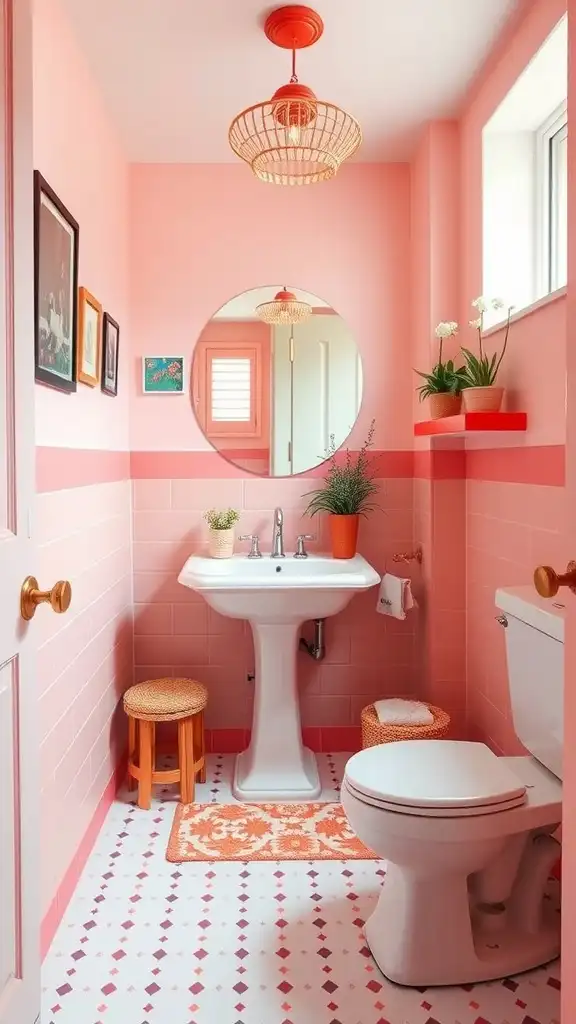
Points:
[(300, 547), (254, 545)]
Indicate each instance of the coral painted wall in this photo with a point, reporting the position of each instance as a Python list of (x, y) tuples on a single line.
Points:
[(83, 508)]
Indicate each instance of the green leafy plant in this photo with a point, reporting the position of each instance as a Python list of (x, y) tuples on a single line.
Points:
[(221, 519), (444, 378), (350, 486), (481, 370)]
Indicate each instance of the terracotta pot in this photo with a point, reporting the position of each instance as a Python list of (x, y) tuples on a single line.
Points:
[(482, 399), (221, 543), (344, 532), (444, 404)]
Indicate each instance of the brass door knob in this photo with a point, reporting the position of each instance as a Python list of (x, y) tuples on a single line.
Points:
[(548, 582), (31, 596)]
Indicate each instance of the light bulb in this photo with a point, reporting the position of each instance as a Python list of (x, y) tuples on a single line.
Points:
[(294, 134)]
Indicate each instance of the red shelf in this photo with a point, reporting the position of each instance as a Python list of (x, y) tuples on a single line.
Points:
[(472, 423)]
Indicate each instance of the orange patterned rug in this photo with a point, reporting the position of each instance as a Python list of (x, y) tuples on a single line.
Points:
[(249, 832)]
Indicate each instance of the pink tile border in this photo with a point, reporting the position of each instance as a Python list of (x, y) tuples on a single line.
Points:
[(321, 739), (535, 465), (209, 464), (60, 468), (57, 908)]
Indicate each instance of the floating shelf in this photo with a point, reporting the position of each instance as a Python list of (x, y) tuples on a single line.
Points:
[(468, 423)]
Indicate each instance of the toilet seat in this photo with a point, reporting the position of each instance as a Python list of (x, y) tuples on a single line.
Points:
[(434, 778)]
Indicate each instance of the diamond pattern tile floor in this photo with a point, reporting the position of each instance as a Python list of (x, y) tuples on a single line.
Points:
[(148, 942)]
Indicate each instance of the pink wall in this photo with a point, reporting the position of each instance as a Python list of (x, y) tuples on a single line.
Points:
[(83, 508), (515, 521), (201, 235)]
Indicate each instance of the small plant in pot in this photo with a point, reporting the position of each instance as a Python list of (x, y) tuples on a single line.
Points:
[(221, 535), (442, 386), (347, 494), (479, 389)]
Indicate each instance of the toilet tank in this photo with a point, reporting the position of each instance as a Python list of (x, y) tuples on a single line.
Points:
[(534, 633)]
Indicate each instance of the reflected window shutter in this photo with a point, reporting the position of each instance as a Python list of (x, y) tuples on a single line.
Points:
[(231, 390)]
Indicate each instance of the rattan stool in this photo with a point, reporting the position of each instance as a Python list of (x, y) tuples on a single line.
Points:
[(375, 732), (166, 700)]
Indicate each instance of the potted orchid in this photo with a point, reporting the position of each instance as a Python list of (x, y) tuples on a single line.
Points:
[(443, 384), (478, 382)]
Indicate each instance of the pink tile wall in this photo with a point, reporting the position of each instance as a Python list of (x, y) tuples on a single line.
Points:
[(511, 528), (84, 659), (176, 633)]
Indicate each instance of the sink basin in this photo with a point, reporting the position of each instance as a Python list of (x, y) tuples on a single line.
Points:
[(277, 596), (278, 589)]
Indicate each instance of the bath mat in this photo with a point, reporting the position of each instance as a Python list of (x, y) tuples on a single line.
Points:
[(252, 832)]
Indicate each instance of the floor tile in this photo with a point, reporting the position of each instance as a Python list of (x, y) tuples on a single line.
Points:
[(148, 942)]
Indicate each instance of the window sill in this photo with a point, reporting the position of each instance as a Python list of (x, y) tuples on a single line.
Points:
[(546, 300)]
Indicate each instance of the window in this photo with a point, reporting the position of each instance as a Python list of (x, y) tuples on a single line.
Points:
[(552, 202), (231, 396), (228, 388), (524, 182)]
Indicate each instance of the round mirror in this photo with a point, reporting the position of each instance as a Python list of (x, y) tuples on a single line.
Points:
[(276, 376)]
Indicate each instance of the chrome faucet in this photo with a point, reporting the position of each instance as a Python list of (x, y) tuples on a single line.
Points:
[(278, 535)]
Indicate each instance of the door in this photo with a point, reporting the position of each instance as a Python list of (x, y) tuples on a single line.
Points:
[(19, 861), (316, 395), (569, 797)]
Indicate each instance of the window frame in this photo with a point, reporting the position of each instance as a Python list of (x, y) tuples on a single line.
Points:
[(548, 135)]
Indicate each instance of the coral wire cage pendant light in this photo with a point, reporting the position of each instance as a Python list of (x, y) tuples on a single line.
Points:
[(284, 308), (294, 138)]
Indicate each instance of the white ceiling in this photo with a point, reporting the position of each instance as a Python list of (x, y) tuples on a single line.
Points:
[(175, 72)]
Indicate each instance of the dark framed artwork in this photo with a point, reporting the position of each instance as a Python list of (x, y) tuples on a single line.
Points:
[(110, 347), (56, 237)]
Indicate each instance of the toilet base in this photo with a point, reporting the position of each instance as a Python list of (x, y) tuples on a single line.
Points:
[(495, 954)]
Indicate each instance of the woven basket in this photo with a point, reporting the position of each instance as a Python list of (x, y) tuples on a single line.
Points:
[(221, 543), (373, 732)]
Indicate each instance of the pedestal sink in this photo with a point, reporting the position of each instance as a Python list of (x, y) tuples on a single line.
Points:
[(277, 596)]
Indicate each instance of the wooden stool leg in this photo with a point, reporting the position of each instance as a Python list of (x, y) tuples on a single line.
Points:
[(146, 730), (186, 760), (132, 723), (199, 745)]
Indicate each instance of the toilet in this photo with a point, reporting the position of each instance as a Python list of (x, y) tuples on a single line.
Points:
[(467, 835)]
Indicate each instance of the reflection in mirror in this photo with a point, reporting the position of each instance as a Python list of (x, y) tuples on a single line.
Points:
[(275, 373)]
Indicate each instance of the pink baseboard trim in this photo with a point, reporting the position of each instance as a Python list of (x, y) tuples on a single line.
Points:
[(210, 464), (327, 740), (60, 468), (535, 465), (57, 909)]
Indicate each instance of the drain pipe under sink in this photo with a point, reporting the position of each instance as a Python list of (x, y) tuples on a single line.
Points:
[(316, 647)]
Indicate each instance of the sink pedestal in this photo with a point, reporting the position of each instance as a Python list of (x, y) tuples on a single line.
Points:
[(276, 766)]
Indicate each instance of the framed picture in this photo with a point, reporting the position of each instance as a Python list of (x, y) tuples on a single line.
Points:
[(89, 338), (163, 375), (110, 346), (56, 236)]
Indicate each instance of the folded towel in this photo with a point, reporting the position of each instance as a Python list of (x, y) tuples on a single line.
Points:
[(395, 711), (395, 596)]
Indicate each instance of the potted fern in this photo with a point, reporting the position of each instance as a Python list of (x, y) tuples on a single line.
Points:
[(346, 495), (442, 386), (480, 391), (221, 535)]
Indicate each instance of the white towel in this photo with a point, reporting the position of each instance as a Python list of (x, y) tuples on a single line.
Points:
[(395, 711), (395, 596)]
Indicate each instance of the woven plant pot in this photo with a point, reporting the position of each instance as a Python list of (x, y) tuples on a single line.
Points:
[(373, 732), (482, 399), (444, 404), (221, 543)]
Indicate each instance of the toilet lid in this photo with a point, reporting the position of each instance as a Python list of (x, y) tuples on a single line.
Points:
[(433, 774)]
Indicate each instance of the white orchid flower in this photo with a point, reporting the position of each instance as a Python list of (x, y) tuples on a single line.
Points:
[(477, 324), (446, 329), (480, 304)]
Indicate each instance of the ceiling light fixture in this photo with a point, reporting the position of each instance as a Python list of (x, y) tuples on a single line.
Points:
[(285, 308), (294, 138)]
